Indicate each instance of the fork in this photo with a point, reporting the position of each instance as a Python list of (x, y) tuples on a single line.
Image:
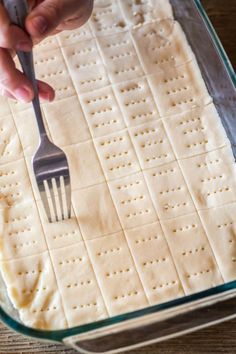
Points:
[(50, 164)]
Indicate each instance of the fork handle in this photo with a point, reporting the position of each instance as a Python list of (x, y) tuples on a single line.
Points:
[(18, 10)]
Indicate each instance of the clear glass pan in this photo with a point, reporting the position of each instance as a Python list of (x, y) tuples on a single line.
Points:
[(189, 313)]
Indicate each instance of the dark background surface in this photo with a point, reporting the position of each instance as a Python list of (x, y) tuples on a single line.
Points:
[(217, 339)]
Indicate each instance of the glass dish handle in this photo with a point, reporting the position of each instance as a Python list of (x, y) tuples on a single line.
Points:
[(131, 334)]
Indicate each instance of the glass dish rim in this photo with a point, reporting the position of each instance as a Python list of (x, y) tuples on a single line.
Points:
[(59, 335)]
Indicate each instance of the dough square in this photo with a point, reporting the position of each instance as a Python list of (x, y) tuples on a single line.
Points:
[(14, 184), (151, 144), (78, 286), (80, 34), (95, 211), (17, 106), (5, 108), (27, 129), (136, 101), (162, 45), (102, 112), (140, 12), (46, 45), (117, 155), (107, 20), (50, 67), (132, 201), (169, 191), (191, 132), (102, 3), (193, 257), (220, 226), (154, 263), (21, 231), (32, 287), (85, 65), (120, 56), (84, 165), (116, 274), (59, 234), (177, 90), (10, 147), (67, 125), (211, 178)]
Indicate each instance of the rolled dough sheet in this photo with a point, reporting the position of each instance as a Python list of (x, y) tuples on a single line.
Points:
[(152, 174)]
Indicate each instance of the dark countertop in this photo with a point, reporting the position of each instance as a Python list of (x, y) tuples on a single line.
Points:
[(217, 339)]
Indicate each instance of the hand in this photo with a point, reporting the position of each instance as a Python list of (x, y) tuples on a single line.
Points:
[(46, 17)]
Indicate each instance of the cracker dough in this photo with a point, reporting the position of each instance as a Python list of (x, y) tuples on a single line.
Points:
[(161, 45), (117, 275), (152, 174)]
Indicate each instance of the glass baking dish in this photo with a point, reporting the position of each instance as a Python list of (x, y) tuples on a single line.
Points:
[(189, 313)]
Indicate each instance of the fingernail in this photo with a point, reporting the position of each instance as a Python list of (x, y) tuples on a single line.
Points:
[(40, 24), (23, 46), (23, 94)]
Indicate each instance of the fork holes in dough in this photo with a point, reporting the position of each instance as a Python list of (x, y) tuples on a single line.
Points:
[(118, 272), (226, 224), (164, 285), (148, 159), (138, 213), (111, 250), (143, 240), (112, 141), (221, 190), (185, 228), (201, 272), (131, 293), (193, 251), (125, 186), (69, 261)]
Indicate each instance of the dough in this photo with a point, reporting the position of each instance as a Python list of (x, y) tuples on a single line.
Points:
[(152, 174)]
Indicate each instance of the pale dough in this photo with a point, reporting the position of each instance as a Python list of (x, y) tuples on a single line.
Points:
[(220, 225), (117, 274), (179, 89), (120, 56), (152, 174), (102, 112), (151, 144), (98, 201), (157, 42), (80, 293), (191, 132), (117, 155), (154, 263), (136, 101), (132, 201), (67, 126), (169, 191), (107, 20), (85, 66), (33, 290), (194, 259), (139, 12), (211, 178)]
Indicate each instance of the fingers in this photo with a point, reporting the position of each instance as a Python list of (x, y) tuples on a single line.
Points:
[(12, 37), (46, 92), (14, 84), (12, 80), (49, 14)]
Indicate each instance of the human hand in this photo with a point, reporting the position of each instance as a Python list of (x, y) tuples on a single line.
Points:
[(46, 17)]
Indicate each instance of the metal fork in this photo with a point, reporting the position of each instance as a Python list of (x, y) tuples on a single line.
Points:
[(49, 162)]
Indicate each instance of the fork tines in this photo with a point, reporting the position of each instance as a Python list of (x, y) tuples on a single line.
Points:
[(56, 197)]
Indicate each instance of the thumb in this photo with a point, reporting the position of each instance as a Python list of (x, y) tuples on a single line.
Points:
[(48, 15)]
